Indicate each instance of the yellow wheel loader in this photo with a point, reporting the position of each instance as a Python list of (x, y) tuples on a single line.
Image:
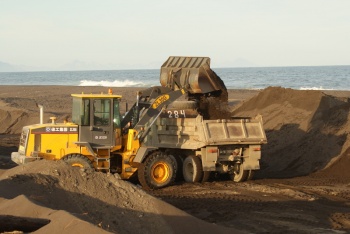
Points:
[(159, 139)]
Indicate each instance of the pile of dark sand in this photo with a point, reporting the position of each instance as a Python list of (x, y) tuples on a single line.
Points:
[(76, 200), (306, 130)]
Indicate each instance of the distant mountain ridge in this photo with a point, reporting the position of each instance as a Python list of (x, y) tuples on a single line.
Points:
[(6, 67)]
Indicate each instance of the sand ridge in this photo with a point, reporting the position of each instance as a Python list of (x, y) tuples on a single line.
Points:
[(306, 130)]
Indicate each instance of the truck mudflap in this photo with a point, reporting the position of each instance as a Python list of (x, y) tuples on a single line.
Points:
[(22, 159)]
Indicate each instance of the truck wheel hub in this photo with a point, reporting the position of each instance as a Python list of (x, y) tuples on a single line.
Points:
[(160, 172)]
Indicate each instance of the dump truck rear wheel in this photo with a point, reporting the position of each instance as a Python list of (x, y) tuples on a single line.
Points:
[(239, 175), (192, 169), (78, 160), (157, 171), (179, 162)]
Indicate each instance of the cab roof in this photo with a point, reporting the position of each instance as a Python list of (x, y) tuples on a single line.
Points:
[(93, 95)]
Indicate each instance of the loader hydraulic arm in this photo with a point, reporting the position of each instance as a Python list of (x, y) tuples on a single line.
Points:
[(148, 106)]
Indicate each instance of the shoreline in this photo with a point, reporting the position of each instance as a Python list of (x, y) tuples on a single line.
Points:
[(37, 93)]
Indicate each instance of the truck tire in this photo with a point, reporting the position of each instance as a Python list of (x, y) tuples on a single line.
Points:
[(239, 175), (78, 160), (192, 169), (157, 171), (179, 161)]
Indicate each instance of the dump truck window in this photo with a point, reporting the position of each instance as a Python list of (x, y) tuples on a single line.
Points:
[(102, 112)]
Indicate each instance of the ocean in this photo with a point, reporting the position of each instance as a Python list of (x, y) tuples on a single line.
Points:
[(304, 78)]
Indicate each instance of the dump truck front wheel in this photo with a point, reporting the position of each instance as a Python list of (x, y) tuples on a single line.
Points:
[(157, 171), (192, 169), (78, 160)]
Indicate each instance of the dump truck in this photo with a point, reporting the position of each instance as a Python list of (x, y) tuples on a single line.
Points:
[(159, 140)]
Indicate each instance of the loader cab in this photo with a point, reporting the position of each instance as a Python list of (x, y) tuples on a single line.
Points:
[(98, 117)]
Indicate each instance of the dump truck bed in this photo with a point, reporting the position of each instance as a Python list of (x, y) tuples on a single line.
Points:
[(195, 133)]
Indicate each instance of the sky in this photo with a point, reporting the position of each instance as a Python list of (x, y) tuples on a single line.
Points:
[(138, 34)]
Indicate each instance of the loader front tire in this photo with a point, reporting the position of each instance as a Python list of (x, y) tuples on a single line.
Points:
[(192, 169), (157, 171), (78, 160)]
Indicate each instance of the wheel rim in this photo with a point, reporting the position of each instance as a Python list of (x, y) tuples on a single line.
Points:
[(77, 165), (160, 172)]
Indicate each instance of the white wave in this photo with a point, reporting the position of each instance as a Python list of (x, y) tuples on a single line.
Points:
[(314, 88), (116, 83)]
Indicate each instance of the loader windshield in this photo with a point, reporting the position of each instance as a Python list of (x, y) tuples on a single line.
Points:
[(102, 112)]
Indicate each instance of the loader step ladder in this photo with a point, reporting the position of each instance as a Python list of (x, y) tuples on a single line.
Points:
[(105, 160), (35, 154)]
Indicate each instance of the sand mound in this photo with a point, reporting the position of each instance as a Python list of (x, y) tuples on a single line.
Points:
[(306, 130), (11, 119), (18, 112), (89, 198)]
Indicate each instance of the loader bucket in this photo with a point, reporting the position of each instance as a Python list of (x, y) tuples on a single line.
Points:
[(192, 73)]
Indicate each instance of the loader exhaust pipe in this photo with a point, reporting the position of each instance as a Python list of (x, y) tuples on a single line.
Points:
[(41, 108)]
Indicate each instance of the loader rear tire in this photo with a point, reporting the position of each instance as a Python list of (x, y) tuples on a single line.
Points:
[(192, 169), (78, 160), (239, 175), (157, 171)]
